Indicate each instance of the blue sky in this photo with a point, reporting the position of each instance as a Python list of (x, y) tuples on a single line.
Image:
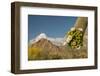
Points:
[(52, 26)]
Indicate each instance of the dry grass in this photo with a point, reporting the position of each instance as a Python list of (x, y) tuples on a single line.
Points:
[(46, 54)]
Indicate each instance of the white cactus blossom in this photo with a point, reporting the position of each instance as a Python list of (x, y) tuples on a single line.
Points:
[(72, 29), (80, 29), (69, 38), (64, 43)]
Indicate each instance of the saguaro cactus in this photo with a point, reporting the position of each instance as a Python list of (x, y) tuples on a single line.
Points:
[(74, 37), (81, 22)]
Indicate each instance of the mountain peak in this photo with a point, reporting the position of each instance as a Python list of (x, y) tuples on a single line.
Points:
[(44, 37), (41, 35)]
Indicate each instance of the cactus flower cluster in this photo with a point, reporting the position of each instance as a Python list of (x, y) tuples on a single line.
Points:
[(75, 38)]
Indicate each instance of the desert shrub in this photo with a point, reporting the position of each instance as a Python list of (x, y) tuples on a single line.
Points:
[(54, 55), (33, 53)]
